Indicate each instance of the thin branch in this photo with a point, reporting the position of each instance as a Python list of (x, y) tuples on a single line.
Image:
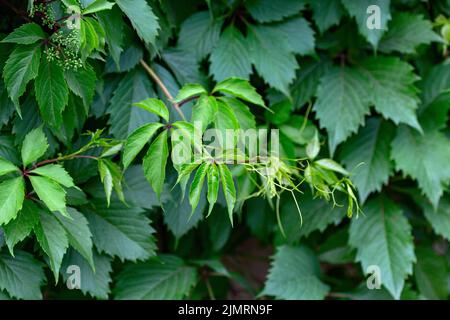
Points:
[(49, 161), (187, 100), (163, 88)]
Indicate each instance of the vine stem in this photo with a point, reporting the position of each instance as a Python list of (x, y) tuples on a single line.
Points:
[(49, 161), (163, 88)]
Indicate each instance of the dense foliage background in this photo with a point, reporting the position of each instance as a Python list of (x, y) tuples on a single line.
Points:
[(375, 101)]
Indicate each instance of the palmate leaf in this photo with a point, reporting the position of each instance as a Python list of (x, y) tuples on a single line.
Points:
[(406, 31), (342, 92), (429, 165), (21, 276), (12, 193), (242, 112), (82, 83), (273, 10), (113, 31), (383, 238), (142, 18), (230, 58), (365, 156), (7, 167), (19, 228), (55, 172), (326, 13), (294, 275), (25, 34), (21, 67), (155, 163), (50, 192), (392, 90), (299, 35), (121, 231), (358, 10), (52, 93), (167, 278), (204, 112), (53, 239), (241, 89)]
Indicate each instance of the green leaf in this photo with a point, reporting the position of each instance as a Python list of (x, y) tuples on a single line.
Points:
[(230, 58), (431, 274), (406, 32), (137, 140), (383, 238), (241, 89), (360, 11), (364, 155), (435, 82), (51, 193), (34, 146), (229, 189), (78, 233), (423, 158), (213, 186), (7, 167), (53, 240), (342, 91), (199, 34), (439, 218), (95, 283), (98, 5), (299, 35), (111, 177), (168, 278), (19, 228), (189, 91), (25, 34), (294, 275), (21, 276), (277, 67), (113, 32), (204, 112), (121, 231), (195, 190), (154, 106), (82, 83), (124, 118), (21, 67), (52, 93), (12, 193), (392, 89), (242, 112), (326, 13), (55, 172), (142, 18), (225, 119), (273, 10), (155, 163)]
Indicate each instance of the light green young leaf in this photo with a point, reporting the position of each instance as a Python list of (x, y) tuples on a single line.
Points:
[(106, 179), (19, 228), (34, 146), (166, 278), (294, 275), (154, 106), (241, 89), (184, 173), (57, 173), (383, 238), (51, 193), (25, 34), (188, 91), (197, 186), (213, 186), (98, 5), (242, 112), (52, 93), (21, 276), (21, 67), (137, 140), (155, 162), (332, 165), (78, 233), (6, 167), (53, 240), (12, 194), (229, 190), (142, 18), (225, 118), (204, 111)]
